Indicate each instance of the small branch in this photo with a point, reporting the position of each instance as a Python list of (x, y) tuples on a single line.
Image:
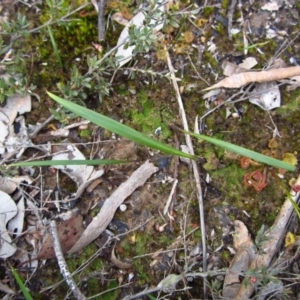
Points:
[(160, 286), (143, 293), (64, 18), (62, 263), (101, 20), (200, 50), (230, 16), (194, 164)]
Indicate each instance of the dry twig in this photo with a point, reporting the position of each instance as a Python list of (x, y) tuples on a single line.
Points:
[(230, 16), (101, 19), (62, 263), (194, 164)]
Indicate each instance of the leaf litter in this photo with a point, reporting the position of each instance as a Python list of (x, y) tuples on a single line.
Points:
[(266, 95)]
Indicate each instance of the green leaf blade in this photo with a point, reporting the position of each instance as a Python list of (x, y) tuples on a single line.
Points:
[(246, 152), (117, 127), (75, 162), (21, 284)]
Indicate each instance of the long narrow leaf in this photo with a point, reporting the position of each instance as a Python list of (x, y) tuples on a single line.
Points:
[(79, 162), (117, 127), (55, 47), (21, 284), (246, 152)]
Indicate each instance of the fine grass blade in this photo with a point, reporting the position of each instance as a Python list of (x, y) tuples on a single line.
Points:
[(79, 162), (288, 194), (55, 47), (117, 127), (246, 152), (21, 284)]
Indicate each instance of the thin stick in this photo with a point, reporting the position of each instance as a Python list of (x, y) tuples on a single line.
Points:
[(230, 17), (195, 69), (180, 277), (101, 20), (62, 263), (194, 164), (143, 293), (86, 263)]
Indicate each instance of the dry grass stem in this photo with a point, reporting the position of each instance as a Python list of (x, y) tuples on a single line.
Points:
[(194, 164)]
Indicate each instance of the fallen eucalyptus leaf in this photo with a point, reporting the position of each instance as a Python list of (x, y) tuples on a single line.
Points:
[(246, 252), (69, 231), (104, 217), (15, 225), (241, 79), (8, 210), (266, 95)]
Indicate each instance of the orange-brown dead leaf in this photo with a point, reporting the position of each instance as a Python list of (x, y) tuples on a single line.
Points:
[(69, 231)]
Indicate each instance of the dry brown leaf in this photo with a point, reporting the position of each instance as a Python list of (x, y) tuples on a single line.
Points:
[(238, 80), (230, 68), (104, 217), (248, 63), (69, 231), (241, 234), (244, 256), (118, 17), (117, 262)]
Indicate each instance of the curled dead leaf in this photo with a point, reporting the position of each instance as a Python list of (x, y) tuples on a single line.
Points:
[(117, 262)]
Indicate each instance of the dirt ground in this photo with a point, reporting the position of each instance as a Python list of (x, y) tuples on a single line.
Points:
[(141, 246)]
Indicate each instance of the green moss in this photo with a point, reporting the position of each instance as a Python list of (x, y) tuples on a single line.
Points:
[(212, 162), (73, 38), (231, 180), (225, 4), (270, 217), (86, 133), (220, 29), (141, 243), (197, 235), (122, 90), (75, 261), (141, 267), (291, 103), (149, 116), (112, 295), (163, 239), (208, 58), (207, 11), (226, 256)]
